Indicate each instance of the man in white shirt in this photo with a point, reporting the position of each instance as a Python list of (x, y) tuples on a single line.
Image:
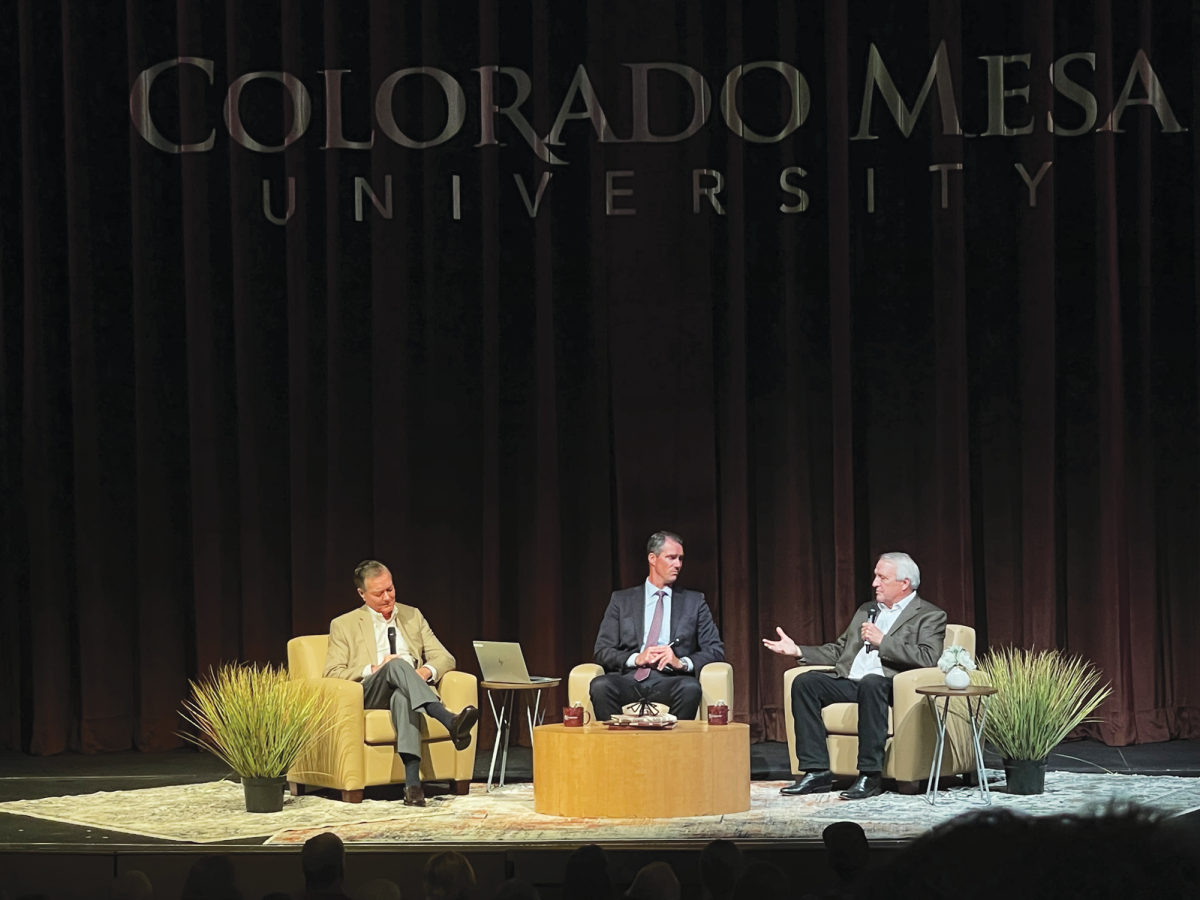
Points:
[(391, 649), (654, 639), (895, 632)]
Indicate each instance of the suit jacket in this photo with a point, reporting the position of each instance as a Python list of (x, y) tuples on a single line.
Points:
[(624, 626), (352, 643), (913, 642)]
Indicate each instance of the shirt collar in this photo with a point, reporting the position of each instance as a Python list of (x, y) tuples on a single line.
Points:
[(899, 605), (651, 591), (378, 618)]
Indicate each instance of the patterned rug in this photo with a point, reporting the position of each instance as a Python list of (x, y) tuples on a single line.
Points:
[(204, 813)]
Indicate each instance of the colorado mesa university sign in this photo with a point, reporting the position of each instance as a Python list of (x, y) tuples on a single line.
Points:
[(706, 183)]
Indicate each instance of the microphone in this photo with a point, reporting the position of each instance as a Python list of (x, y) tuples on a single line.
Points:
[(392, 639), (871, 617)]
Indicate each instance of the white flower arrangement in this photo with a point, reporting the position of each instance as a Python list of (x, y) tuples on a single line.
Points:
[(956, 656)]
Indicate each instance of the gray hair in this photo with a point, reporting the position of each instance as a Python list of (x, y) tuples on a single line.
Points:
[(368, 568), (655, 544), (905, 568)]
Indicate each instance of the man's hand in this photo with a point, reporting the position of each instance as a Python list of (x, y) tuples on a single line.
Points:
[(784, 646), (871, 634), (386, 660), (425, 672), (659, 656)]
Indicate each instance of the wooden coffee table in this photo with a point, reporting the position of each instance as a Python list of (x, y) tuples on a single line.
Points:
[(693, 769)]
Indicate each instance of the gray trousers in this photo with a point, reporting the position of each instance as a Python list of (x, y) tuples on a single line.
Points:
[(398, 687)]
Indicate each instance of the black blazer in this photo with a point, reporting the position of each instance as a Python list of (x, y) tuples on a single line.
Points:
[(624, 624)]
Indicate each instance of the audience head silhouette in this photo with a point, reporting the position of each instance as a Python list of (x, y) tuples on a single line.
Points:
[(762, 881), (586, 876), (323, 860), (449, 876), (655, 881), (378, 889), (997, 854), (849, 852), (721, 865), (517, 890), (211, 878), (132, 885)]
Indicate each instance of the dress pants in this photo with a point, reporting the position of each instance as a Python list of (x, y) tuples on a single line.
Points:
[(813, 691), (398, 687), (612, 691)]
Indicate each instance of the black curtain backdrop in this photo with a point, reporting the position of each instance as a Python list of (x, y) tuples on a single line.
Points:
[(207, 419)]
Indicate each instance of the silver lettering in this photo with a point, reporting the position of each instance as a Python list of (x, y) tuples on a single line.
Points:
[(362, 187), (1073, 91), (532, 208), (944, 168), (291, 204), (456, 102), (333, 115), (610, 192), (801, 101), (488, 111), (710, 191), (877, 76), (582, 85), (641, 102), (301, 116), (1155, 97), (997, 95), (139, 106), (1032, 183), (793, 189)]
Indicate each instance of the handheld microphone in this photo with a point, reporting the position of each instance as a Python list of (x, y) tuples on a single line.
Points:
[(871, 617), (392, 640)]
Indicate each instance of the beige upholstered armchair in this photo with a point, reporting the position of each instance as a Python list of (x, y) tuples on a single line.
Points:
[(716, 680), (912, 726), (360, 750)]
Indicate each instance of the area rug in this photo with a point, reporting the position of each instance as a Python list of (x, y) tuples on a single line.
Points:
[(507, 816), (202, 813), (215, 811)]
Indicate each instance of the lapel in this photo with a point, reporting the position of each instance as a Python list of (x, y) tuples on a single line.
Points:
[(910, 612), (677, 595), (403, 617), (366, 632)]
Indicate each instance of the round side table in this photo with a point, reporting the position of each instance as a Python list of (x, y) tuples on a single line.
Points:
[(510, 699), (976, 696)]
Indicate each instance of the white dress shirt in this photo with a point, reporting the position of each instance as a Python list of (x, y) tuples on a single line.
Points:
[(664, 633), (383, 647), (868, 663)]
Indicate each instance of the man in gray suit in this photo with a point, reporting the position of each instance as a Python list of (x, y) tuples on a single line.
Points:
[(654, 639), (896, 632)]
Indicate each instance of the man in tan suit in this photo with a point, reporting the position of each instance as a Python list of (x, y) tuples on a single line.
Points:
[(391, 649)]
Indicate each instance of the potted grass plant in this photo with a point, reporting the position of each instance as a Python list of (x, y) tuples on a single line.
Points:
[(1041, 695), (257, 721)]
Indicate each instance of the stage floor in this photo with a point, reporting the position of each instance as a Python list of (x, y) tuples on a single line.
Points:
[(26, 777)]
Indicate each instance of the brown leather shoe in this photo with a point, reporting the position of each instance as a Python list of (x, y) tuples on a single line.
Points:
[(414, 796)]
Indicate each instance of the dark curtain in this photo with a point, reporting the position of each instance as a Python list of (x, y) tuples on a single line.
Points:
[(207, 419)]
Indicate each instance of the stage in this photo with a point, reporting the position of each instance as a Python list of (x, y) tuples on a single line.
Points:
[(498, 832)]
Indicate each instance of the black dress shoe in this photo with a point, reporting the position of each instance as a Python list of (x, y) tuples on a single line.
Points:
[(414, 796), (461, 725), (864, 786), (812, 783)]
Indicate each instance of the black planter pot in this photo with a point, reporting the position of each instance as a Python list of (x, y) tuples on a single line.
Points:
[(1025, 776), (263, 795)]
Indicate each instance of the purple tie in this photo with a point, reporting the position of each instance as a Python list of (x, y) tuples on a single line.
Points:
[(643, 672)]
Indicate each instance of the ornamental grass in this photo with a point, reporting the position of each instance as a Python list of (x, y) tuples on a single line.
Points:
[(255, 719), (1041, 695)]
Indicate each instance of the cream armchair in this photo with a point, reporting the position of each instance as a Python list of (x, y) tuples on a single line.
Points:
[(912, 726), (360, 750), (716, 680)]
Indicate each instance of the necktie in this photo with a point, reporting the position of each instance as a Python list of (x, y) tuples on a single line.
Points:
[(643, 672)]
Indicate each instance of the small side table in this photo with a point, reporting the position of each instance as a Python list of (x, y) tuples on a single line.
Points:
[(510, 695), (976, 696)]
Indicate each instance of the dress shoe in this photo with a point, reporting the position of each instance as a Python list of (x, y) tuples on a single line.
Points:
[(864, 786), (461, 725), (414, 796), (817, 782)]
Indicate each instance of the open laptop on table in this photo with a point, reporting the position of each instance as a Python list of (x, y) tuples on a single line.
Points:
[(503, 662)]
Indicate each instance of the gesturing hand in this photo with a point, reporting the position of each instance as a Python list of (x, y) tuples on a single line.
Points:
[(871, 634), (785, 645)]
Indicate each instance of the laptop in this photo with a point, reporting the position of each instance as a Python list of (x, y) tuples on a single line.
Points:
[(504, 663)]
